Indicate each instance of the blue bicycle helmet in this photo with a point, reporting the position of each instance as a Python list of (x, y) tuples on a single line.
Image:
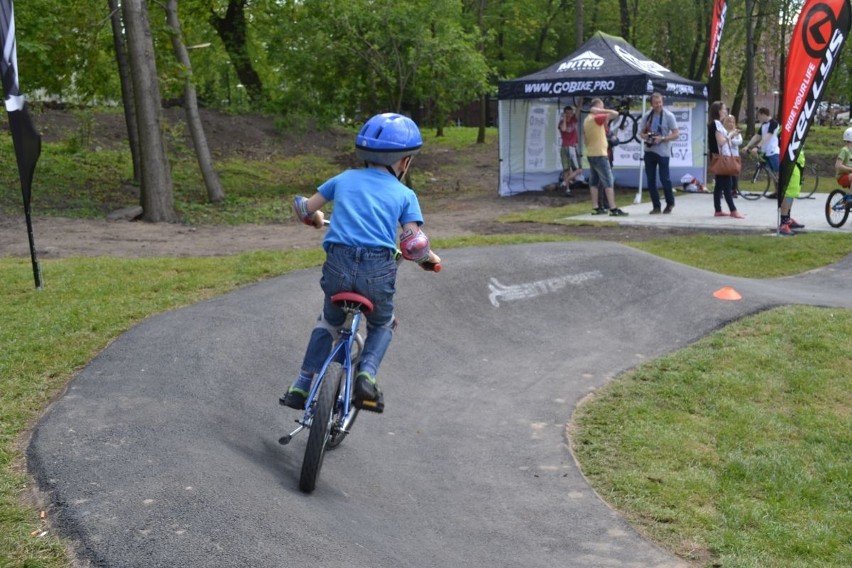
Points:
[(387, 138)]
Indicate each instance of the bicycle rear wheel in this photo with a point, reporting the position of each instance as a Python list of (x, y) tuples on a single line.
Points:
[(320, 427), (810, 182), (836, 211)]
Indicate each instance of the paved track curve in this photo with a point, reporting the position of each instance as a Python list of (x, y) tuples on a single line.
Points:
[(163, 452)]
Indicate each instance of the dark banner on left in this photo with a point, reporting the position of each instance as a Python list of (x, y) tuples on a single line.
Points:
[(815, 46), (25, 138)]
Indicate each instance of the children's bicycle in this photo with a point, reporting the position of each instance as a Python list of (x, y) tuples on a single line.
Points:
[(330, 409), (837, 207)]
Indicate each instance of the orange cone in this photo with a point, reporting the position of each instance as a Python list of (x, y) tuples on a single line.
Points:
[(727, 293)]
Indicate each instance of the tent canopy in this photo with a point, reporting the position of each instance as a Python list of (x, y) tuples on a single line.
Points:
[(603, 66), (606, 67)]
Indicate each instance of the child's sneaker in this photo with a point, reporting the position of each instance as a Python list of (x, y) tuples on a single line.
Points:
[(795, 224), (294, 398), (618, 213), (785, 230), (368, 395), (599, 211)]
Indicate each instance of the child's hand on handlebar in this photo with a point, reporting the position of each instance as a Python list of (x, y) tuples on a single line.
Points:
[(318, 219)]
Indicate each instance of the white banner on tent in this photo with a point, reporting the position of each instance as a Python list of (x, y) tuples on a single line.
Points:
[(537, 137), (628, 154)]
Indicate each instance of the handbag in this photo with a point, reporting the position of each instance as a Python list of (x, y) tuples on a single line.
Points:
[(725, 165)]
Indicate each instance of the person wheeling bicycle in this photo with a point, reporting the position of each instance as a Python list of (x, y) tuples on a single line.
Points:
[(766, 139), (370, 204)]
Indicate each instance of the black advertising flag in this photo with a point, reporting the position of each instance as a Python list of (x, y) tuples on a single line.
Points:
[(815, 46), (26, 140)]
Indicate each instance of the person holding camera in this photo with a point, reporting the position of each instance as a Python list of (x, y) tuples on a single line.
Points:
[(659, 129)]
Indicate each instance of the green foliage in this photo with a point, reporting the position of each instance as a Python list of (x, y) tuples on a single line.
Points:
[(332, 58)]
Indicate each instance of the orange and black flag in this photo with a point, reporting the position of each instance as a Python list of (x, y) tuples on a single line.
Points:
[(815, 48), (717, 24), (26, 140)]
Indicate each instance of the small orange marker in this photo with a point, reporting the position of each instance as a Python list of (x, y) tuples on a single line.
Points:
[(727, 293)]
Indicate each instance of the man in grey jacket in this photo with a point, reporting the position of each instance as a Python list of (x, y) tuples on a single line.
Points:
[(658, 130)]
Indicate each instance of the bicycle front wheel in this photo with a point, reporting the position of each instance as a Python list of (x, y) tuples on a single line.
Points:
[(625, 128), (810, 182), (320, 427), (836, 211)]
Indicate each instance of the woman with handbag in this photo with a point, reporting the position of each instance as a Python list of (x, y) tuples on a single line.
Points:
[(723, 163)]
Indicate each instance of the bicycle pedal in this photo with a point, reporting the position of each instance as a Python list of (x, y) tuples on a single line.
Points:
[(376, 406)]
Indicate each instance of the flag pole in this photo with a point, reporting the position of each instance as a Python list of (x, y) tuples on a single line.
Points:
[(39, 284)]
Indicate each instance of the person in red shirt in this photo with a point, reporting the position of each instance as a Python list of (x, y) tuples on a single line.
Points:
[(570, 140)]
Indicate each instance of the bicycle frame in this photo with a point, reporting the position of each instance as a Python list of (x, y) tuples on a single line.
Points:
[(341, 353)]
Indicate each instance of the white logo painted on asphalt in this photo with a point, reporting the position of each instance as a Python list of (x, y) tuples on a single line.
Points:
[(532, 289)]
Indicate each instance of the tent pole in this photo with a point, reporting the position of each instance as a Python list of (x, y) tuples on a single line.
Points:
[(638, 199)]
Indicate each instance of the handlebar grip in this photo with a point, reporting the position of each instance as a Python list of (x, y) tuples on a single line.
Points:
[(433, 264)]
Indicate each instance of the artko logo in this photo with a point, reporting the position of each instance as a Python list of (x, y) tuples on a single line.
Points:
[(586, 61)]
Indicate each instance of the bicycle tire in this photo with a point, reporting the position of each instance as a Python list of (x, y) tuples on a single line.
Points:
[(810, 183), (320, 427), (750, 195), (769, 188), (623, 125), (836, 212)]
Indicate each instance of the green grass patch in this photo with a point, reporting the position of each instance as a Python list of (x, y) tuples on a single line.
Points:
[(752, 256), (735, 450)]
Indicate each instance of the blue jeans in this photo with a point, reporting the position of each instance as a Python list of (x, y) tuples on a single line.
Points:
[(370, 272), (654, 161), (601, 173)]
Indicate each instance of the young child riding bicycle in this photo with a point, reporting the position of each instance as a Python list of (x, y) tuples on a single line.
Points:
[(370, 204), (843, 164)]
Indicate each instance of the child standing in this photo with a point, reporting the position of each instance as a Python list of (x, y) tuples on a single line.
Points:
[(370, 204), (735, 138), (794, 186)]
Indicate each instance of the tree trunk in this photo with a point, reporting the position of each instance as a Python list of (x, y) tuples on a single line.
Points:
[(196, 129), (578, 23), (156, 197), (126, 87), (625, 19), (232, 30)]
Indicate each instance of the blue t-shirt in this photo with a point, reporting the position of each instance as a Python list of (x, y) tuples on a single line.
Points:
[(369, 206)]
